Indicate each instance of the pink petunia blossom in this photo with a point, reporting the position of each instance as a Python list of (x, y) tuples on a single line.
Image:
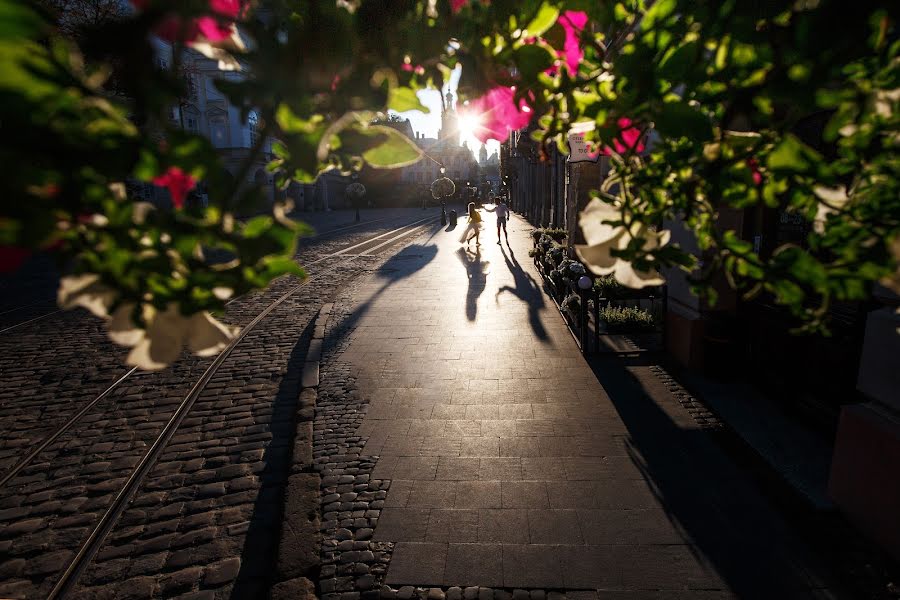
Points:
[(754, 170), (573, 23), (457, 5), (216, 27), (498, 114), (628, 139), (178, 183)]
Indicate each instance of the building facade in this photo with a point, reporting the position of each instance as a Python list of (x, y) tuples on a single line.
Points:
[(206, 111)]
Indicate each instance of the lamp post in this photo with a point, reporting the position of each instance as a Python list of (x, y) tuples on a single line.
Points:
[(440, 189), (584, 284), (355, 191)]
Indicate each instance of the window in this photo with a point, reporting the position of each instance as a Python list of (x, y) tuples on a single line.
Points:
[(253, 126), (190, 86), (218, 130)]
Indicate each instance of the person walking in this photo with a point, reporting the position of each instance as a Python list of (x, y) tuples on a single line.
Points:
[(502, 216), (473, 229)]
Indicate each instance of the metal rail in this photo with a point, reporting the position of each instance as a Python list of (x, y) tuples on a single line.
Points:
[(312, 237), (94, 541)]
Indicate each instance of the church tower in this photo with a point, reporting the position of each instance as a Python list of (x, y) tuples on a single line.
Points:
[(449, 133), (482, 154)]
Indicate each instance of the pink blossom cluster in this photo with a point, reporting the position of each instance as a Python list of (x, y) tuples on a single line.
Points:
[(215, 27)]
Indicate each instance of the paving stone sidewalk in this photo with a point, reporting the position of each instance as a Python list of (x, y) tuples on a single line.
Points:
[(510, 461)]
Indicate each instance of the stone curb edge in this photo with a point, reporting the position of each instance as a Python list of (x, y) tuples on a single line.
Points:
[(298, 558)]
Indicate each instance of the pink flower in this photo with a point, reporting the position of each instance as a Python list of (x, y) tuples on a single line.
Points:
[(178, 183), (573, 23), (754, 170), (498, 114), (631, 136), (457, 5), (409, 68), (215, 28)]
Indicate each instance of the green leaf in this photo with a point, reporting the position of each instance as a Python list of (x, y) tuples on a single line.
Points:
[(392, 150), (791, 155), (257, 226), (291, 123), (532, 60), (679, 119), (276, 266), (677, 65), (543, 21), (402, 99), (659, 11)]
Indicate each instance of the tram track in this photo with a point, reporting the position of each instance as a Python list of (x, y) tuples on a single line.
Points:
[(104, 525), (49, 439), (41, 317), (38, 388)]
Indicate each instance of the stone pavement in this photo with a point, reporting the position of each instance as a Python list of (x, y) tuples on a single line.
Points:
[(511, 462)]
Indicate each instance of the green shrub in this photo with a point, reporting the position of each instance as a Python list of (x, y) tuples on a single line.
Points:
[(572, 306), (555, 234), (627, 318), (608, 287)]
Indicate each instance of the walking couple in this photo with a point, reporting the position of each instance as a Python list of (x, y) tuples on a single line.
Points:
[(473, 229)]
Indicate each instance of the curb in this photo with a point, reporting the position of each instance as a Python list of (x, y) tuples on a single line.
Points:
[(298, 559)]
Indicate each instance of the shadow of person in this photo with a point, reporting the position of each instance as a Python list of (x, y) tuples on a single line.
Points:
[(476, 270), (527, 290)]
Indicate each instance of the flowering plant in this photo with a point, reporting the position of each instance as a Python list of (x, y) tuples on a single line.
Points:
[(702, 109)]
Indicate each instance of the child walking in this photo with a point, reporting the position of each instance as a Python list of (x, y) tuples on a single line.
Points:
[(502, 216), (473, 229)]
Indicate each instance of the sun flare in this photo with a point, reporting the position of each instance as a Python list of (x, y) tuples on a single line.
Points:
[(468, 125)]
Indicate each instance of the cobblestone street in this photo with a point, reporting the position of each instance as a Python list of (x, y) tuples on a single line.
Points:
[(417, 421), (206, 519)]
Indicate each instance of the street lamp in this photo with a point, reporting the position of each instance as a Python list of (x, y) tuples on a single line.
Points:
[(355, 191), (584, 284)]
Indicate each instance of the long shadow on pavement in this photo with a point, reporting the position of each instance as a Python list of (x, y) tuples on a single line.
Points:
[(260, 552), (711, 500), (400, 266), (476, 271), (527, 290)]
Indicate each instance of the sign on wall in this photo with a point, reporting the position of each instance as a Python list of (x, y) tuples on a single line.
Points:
[(580, 150)]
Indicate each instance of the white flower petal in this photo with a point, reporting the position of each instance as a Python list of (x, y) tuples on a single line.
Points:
[(591, 222), (165, 334), (139, 212), (121, 329), (836, 197), (84, 290), (206, 336), (72, 286), (141, 358), (597, 258), (221, 51), (628, 276)]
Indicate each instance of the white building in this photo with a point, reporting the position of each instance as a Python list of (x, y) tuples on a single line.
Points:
[(444, 151), (207, 112)]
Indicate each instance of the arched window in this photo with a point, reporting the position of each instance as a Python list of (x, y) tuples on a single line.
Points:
[(253, 126)]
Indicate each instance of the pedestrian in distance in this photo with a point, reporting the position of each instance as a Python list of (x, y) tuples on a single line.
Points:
[(473, 229), (502, 212)]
